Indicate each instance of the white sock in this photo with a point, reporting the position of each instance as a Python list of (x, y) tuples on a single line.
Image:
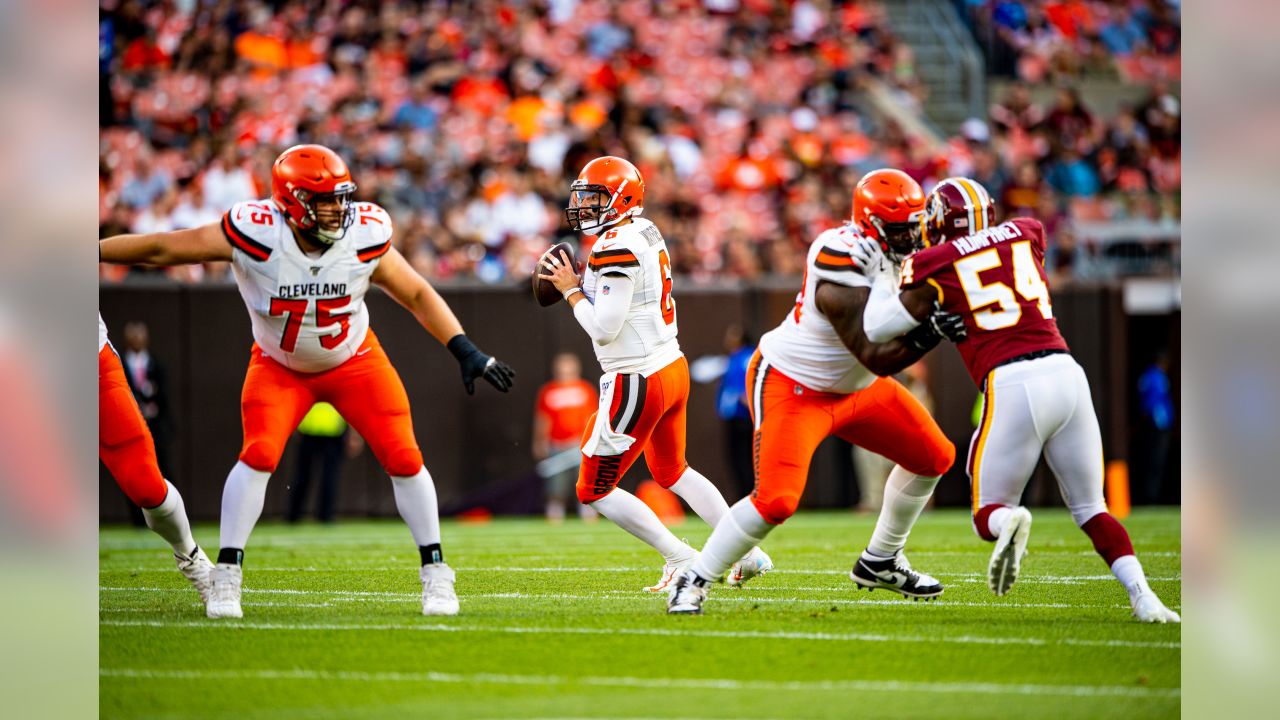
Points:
[(905, 495), (169, 520), (629, 513), (242, 499), (998, 519), (705, 499), (416, 501), (1128, 571), (741, 529)]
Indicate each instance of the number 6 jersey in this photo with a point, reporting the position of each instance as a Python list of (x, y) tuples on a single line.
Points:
[(308, 311), (647, 342), (995, 280)]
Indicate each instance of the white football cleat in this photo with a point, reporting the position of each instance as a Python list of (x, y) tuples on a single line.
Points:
[(196, 570), (687, 594), (753, 564), (1148, 608), (224, 591), (1011, 547), (438, 596), (669, 573)]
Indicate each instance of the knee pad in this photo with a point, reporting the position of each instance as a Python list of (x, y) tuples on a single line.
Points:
[(777, 508), (402, 462), (262, 456)]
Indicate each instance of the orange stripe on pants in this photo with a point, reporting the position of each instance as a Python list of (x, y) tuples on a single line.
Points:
[(659, 433)]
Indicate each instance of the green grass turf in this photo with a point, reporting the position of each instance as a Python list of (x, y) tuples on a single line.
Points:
[(554, 624)]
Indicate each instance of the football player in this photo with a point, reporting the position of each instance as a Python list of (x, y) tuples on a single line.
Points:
[(303, 260), (624, 303), (818, 375), (125, 446), (1036, 396)]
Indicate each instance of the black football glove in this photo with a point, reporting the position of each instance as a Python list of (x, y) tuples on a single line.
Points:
[(476, 364), (937, 326)]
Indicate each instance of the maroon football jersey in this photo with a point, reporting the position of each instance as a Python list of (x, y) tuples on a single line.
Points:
[(995, 280)]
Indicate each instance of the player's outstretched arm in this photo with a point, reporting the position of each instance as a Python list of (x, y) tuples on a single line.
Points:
[(407, 287), (180, 247), (844, 306)]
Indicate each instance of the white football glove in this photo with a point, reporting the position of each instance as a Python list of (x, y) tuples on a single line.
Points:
[(869, 258)]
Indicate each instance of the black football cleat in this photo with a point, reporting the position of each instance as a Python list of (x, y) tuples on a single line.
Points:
[(894, 574)]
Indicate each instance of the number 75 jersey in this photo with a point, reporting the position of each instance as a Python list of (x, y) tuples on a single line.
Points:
[(647, 342), (308, 312), (995, 280)]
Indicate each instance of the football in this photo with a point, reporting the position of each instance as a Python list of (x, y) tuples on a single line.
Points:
[(546, 293)]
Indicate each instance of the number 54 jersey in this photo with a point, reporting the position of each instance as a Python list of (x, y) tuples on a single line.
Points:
[(995, 280), (308, 311), (647, 342)]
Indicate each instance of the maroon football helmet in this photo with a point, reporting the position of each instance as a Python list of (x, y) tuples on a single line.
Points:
[(957, 207)]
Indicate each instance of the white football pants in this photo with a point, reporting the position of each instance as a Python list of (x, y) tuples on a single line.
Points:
[(1034, 406)]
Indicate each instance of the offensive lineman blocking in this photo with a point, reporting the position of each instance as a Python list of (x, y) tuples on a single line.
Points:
[(815, 375), (624, 303), (1037, 397), (303, 261)]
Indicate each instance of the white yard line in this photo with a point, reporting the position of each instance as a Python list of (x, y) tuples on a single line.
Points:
[(683, 683), (638, 596), (660, 632)]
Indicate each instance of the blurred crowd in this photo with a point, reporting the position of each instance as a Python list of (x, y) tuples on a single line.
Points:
[(468, 120), (1061, 40)]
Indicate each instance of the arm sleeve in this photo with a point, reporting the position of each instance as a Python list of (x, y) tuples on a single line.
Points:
[(885, 317), (603, 319)]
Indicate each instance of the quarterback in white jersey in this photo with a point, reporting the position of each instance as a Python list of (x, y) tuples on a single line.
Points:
[(303, 260), (624, 303), (817, 375)]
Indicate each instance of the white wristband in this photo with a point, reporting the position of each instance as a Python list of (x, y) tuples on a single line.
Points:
[(569, 293)]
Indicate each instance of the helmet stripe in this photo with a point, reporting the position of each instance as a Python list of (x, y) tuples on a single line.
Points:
[(977, 218)]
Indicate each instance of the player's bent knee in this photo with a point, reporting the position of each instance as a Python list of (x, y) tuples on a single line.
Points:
[(667, 478), (403, 462), (261, 456), (143, 488), (936, 458), (588, 494), (776, 509)]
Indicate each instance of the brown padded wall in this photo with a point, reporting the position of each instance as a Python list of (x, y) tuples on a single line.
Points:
[(201, 335)]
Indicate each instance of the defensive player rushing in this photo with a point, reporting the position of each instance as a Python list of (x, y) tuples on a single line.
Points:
[(127, 449), (303, 260), (815, 375), (1037, 396), (624, 303)]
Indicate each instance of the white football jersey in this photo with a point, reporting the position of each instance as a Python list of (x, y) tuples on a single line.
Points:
[(308, 312), (102, 333), (647, 342), (805, 347)]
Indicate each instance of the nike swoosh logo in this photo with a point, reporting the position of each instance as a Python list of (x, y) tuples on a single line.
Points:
[(606, 247), (362, 352)]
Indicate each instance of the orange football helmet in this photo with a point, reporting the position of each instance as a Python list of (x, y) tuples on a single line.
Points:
[(888, 206), (607, 191), (305, 177)]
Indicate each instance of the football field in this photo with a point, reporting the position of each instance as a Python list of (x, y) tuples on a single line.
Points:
[(554, 624)]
